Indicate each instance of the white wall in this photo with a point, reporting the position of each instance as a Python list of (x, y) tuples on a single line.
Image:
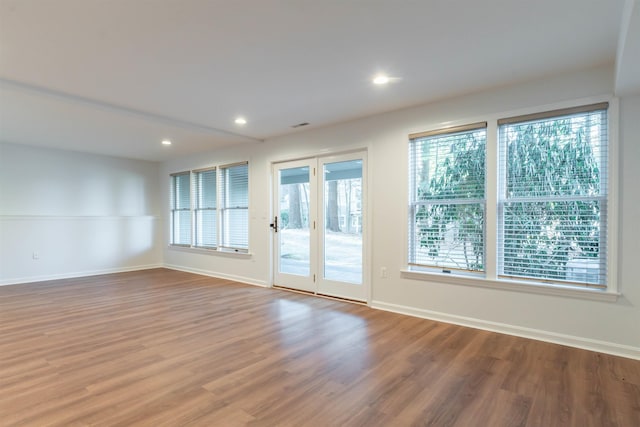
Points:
[(82, 213), (608, 326)]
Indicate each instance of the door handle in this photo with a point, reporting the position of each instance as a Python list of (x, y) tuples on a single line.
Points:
[(274, 224)]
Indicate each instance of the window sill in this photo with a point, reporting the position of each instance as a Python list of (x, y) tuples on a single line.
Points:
[(214, 252), (527, 287)]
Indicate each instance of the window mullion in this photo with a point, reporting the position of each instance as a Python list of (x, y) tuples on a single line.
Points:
[(492, 174)]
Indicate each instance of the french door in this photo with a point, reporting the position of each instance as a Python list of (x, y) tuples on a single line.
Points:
[(293, 225), (319, 227)]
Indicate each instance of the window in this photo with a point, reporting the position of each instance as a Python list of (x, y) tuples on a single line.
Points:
[(206, 235), (549, 191), (234, 194), (180, 209), (216, 212), (553, 196), (447, 211)]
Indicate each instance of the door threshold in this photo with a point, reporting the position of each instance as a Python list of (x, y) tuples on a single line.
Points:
[(298, 291), (315, 294), (353, 301)]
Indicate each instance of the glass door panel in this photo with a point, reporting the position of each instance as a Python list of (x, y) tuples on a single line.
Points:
[(294, 221), (295, 216), (343, 221), (342, 214)]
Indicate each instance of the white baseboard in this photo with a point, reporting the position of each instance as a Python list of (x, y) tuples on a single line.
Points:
[(503, 328), (217, 275), (31, 279)]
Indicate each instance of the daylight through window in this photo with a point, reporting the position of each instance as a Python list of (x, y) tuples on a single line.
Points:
[(553, 196), (210, 208), (447, 210), (550, 189)]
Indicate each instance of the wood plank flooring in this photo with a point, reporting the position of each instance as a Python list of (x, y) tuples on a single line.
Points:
[(166, 348)]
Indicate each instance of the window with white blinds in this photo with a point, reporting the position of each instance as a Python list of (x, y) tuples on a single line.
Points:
[(234, 197), (210, 208), (180, 209), (553, 197), (447, 198), (549, 189), (205, 215)]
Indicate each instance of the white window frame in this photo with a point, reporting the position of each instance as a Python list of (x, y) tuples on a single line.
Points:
[(174, 210), (414, 205), (223, 207), (504, 198), (196, 207), (490, 279), (219, 248)]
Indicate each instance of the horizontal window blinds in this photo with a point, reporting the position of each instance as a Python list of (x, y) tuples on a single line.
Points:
[(206, 235), (234, 196), (210, 208), (180, 209), (447, 200), (553, 196)]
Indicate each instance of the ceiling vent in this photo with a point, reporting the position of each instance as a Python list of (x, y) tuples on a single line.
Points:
[(299, 125)]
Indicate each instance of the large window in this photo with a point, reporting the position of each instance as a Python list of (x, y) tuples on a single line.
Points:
[(212, 205), (448, 198), (180, 209), (548, 181), (234, 196), (205, 223), (553, 196)]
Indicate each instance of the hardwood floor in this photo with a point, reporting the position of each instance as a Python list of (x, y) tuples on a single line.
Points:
[(166, 348)]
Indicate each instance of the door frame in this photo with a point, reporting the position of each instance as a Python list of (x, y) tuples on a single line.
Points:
[(366, 218)]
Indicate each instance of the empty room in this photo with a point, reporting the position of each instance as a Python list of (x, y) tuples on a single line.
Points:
[(319, 213)]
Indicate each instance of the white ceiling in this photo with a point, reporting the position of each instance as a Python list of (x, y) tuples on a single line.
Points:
[(117, 76)]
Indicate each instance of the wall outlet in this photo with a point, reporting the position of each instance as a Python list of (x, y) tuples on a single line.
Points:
[(36, 255), (383, 272)]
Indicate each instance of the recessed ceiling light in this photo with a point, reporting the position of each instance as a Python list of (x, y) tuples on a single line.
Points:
[(166, 142), (241, 121), (381, 79)]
